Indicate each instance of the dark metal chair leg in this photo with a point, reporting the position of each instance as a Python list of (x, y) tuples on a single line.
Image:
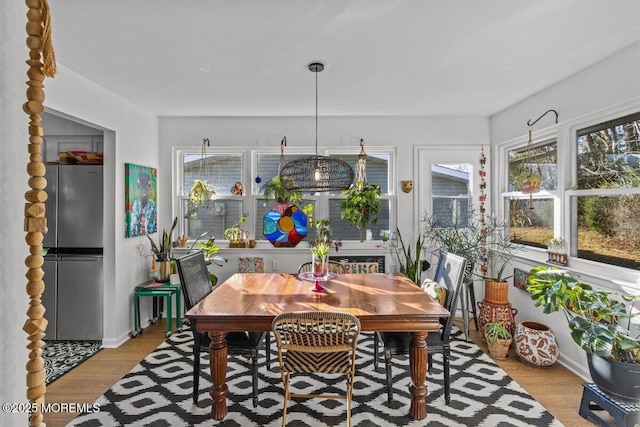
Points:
[(447, 377), (254, 374), (376, 345), (196, 366), (387, 362)]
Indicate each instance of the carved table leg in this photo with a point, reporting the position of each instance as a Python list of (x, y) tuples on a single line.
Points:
[(418, 364), (218, 366)]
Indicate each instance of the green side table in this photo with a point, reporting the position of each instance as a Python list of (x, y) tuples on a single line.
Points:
[(157, 289)]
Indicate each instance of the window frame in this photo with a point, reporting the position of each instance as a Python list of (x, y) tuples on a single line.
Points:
[(252, 196), (566, 136)]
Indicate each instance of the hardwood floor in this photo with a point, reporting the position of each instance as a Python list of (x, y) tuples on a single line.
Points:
[(556, 388)]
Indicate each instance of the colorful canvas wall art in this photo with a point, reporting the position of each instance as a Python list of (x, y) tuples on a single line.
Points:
[(520, 279), (140, 199)]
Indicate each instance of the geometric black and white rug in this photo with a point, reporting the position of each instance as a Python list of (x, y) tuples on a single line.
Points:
[(62, 356), (157, 392)]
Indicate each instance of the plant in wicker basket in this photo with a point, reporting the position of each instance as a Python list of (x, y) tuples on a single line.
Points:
[(498, 338)]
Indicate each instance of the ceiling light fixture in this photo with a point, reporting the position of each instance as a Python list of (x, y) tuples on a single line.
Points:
[(316, 173)]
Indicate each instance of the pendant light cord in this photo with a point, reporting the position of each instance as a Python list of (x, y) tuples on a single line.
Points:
[(316, 73)]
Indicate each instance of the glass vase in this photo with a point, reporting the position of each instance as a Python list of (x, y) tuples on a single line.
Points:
[(320, 265)]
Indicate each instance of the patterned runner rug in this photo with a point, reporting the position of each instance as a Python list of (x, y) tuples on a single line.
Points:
[(157, 392), (62, 356)]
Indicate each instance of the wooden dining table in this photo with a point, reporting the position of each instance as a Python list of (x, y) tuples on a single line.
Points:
[(382, 302)]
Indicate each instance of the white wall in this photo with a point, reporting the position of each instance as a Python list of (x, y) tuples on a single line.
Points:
[(609, 89), (130, 136), (13, 184)]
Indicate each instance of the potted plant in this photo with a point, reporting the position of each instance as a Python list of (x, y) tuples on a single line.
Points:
[(410, 263), (237, 234), (210, 249), (498, 338), (199, 195), (162, 252), (482, 241), (599, 324), (361, 206), (322, 226), (274, 190)]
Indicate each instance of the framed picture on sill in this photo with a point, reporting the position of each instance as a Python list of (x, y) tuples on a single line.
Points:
[(520, 279), (140, 199)]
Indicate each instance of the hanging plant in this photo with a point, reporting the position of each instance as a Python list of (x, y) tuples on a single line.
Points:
[(274, 190), (200, 193), (361, 206)]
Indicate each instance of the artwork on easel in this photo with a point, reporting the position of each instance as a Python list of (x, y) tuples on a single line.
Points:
[(520, 279), (140, 199)]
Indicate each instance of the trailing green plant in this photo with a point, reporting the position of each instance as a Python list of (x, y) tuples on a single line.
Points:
[(200, 193), (596, 320), (494, 331), (162, 250), (274, 190), (361, 206), (410, 263)]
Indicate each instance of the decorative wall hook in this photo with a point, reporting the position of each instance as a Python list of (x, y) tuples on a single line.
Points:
[(544, 114), (406, 186)]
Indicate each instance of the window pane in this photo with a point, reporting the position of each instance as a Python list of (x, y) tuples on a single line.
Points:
[(531, 226), (221, 171), (451, 195), (344, 231), (541, 158), (268, 166), (609, 229), (377, 169), (218, 216), (609, 154)]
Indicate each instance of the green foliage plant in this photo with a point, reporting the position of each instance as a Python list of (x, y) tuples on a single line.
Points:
[(495, 331), (361, 205), (410, 264), (200, 193), (274, 190), (596, 320), (473, 238), (321, 249), (162, 250)]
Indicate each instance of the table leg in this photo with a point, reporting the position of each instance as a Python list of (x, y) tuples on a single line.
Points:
[(169, 314), (418, 365), (136, 314), (218, 367), (178, 306)]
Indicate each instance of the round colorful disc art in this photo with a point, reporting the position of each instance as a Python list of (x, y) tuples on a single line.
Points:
[(285, 225)]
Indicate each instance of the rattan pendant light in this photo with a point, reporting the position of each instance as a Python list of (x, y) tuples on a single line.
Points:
[(316, 173)]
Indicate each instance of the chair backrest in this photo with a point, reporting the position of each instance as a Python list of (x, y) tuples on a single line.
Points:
[(333, 267), (449, 275), (194, 278), (316, 332)]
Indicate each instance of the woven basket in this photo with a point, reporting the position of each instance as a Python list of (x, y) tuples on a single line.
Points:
[(496, 292)]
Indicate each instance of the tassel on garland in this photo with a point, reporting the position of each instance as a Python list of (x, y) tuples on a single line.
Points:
[(48, 53)]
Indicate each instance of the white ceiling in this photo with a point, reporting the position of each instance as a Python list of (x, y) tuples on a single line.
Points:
[(382, 57)]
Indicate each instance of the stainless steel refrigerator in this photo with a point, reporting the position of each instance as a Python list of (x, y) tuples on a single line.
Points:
[(73, 296)]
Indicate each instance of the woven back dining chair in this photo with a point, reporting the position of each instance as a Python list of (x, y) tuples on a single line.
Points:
[(316, 342), (333, 267), (449, 277), (196, 285)]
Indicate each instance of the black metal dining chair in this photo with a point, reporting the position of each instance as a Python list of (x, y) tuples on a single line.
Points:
[(196, 285), (449, 276)]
